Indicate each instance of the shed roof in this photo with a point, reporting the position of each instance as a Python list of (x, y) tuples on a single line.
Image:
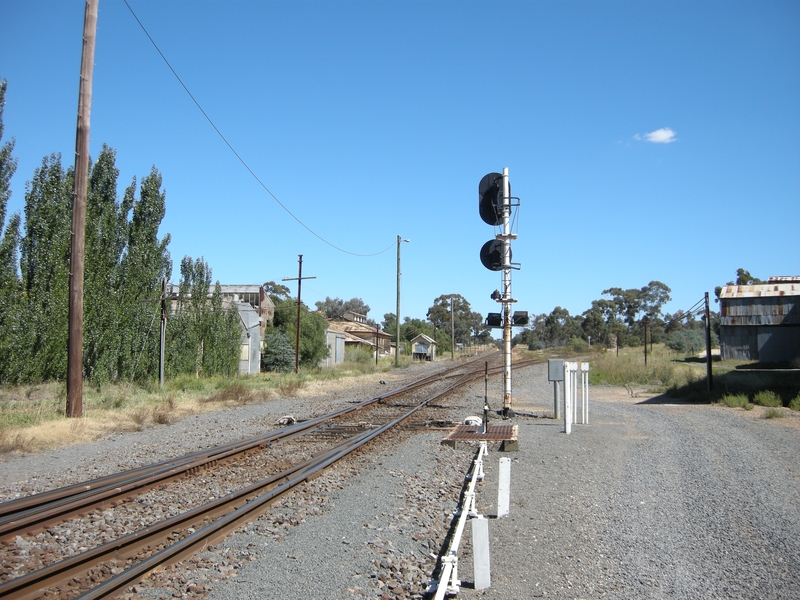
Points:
[(761, 290), (424, 337), (351, 327)]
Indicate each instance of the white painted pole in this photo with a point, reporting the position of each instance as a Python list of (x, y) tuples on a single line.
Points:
[(567, 400), (573, 376), (480, 554), (504, 488), (556, 411), (585, 391)]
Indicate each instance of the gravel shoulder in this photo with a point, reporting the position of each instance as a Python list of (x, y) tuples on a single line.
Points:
[(652, 499)]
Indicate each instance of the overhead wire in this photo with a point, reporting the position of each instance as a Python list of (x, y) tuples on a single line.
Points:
[(236, 154)]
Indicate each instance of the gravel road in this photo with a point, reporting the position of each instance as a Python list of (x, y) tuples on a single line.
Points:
[(650, 500)]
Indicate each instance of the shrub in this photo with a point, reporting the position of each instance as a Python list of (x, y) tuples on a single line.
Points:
[(794, 403), (734, 400), (359, 355), (772, 413), (536, 346), (767, 398), (278, 353), (577, 345)]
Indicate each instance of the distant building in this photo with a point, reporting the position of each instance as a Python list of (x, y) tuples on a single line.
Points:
[(423, 348), (335, 341), (357, 332), (761, 322), (256, 310)]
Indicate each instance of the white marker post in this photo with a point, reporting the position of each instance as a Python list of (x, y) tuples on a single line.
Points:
[(585, 391), (480, 553), (504, 488), (568, 398)]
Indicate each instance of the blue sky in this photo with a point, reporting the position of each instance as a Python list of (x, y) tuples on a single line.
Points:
[(645, 140)]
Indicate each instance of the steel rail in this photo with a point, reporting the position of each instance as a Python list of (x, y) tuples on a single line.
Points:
[(33, 513), (235, 507)]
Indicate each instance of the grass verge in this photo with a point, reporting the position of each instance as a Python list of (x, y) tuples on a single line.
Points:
[(32, 417)]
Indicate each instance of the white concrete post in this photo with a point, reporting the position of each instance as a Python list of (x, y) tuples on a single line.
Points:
[(567, 399), (480, 554), (585, 391), (504, 488)]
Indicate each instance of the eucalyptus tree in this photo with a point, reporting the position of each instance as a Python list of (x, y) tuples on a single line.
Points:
[(465, 322)]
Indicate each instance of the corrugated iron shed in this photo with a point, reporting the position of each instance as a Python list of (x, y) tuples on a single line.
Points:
[(761, 322), (762, 304)]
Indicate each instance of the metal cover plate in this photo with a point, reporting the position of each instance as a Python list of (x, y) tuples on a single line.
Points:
[(495, 433)]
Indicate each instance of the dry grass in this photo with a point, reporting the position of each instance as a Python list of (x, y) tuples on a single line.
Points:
[(32, 417), (234, 395)]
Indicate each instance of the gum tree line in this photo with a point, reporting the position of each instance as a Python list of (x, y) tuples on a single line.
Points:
[(620, 318), (125, 261)]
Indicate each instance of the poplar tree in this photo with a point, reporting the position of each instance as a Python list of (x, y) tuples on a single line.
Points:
[(106, 240), (203, 336), (9, 243), (44, 266), (145, 262)]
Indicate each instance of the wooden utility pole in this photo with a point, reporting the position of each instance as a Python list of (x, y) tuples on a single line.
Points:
[(708, 345), (74, 406), (645, 340), (452, 332), (163, 336), (397, 314), (299, 280)]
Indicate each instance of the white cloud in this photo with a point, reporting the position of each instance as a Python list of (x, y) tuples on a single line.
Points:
[(665, 135)]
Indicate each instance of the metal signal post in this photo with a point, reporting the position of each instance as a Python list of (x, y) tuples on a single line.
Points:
[(507, 300), (494, 207)]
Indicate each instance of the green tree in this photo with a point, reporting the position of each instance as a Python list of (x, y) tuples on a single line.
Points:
[(221, 337), (335, 308), (278, 352), (204, 336), (8, 163), (313, 326), (276, 291), (466, 323), (743, 277), (44, 266), (560, 327), (9, 256), (633, 305), (144, 264), (106, 241)]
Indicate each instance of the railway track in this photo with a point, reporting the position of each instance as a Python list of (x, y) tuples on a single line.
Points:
[(272, 464)]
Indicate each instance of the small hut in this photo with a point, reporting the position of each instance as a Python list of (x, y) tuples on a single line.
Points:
[(423, 348)]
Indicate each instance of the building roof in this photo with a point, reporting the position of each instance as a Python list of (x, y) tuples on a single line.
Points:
[(424, 337), (761, 290), (351, 327)]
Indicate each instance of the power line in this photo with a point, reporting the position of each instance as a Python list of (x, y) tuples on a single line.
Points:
[(236, 154)]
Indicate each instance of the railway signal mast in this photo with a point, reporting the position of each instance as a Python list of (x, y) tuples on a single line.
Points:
[(494, 207)]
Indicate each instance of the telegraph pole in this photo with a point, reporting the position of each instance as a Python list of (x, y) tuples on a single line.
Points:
[(163, 336), (397, 345), (74, 406), (708, 345), (299, 280)]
